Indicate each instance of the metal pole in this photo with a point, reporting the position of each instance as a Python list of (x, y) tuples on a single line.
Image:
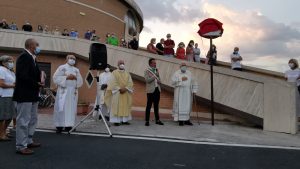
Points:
[(212, 86)]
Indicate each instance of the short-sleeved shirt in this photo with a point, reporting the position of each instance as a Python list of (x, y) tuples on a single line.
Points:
[(236, 64), (169, 51), (9, 78), (293, 75)]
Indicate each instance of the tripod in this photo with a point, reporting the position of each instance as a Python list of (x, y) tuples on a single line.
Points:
[(95, 109)]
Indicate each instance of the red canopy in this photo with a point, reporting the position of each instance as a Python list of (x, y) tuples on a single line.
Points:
[(210, 28)]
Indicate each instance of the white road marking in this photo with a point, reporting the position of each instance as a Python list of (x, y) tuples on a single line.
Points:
[(178, 141)]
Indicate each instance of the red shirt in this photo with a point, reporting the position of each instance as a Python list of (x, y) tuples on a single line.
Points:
[(180, 53), (169, 51)]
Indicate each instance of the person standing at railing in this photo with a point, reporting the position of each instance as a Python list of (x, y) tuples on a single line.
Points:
[(13, 26), (180, 52), (211, 57), (73, 33), (236, 59), (134, 44), (150, 47), (65, 32), (7, 84), (190, 51), (88, 35), (293, 75), (113, 40), (169, 46), (4, 25), (68, 79), (197, 53), (160, 47), (27, 27)]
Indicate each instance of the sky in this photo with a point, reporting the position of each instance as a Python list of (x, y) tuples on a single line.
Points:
[(266, 31)]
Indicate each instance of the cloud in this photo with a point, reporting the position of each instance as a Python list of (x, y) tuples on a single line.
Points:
[(259, 38), (147, 29), (169, 10)]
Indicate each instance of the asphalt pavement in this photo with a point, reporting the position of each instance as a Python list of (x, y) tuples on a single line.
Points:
[(91, 152)]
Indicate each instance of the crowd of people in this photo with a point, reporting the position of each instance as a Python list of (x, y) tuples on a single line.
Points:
[(110, 38), (191, 53)]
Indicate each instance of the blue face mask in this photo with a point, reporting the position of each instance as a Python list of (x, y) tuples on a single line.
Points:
[(37, 50)]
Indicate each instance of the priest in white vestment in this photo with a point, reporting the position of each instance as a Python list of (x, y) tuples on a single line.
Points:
[(68, 79), (103, 83), (118, 96), (185, 87)]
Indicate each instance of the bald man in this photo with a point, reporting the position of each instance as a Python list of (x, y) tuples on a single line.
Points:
[(68, 79), (118, 97), (185, 87), (26, 94)]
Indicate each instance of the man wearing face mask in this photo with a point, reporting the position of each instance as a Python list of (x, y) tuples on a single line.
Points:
[(169, 45), (26, 94), (236, 60), (118, 97), (68, 79), (103, 81), (185, 87), (153, 90)]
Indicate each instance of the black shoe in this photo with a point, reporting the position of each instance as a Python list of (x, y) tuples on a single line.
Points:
[(188, 123), (125, 123), (59, 130), (106, 118), (147, 123), (67, 129), (117, 124), (181, 123), (159, 122)]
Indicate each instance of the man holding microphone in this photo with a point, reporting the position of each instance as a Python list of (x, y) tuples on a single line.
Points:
[(153, 90)]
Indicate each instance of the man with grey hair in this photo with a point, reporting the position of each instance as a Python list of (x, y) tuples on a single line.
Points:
[(68, 79), (26, 94), (118, 97)]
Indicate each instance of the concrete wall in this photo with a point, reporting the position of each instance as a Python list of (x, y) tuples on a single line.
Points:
[(269, 98)]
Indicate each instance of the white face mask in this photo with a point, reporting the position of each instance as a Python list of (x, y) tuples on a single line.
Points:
[(183, 69), (71, 62), (291, 65), (107, 69), (122, 67), (10, 65)]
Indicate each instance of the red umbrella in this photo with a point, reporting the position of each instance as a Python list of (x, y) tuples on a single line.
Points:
[(210, 28)]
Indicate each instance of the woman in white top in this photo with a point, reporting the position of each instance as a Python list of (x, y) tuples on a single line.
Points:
[(293, 75), (7, 84)]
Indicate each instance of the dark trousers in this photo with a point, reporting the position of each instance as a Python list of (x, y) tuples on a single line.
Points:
[(299, 89), (153, 98)]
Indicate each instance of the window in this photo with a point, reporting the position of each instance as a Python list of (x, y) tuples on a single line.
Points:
[(130, 23)]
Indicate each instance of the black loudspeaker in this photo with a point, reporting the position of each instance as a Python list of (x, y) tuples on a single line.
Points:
[(98, 56)]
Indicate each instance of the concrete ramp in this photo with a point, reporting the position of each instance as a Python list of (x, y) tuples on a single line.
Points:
[(262, 95)]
